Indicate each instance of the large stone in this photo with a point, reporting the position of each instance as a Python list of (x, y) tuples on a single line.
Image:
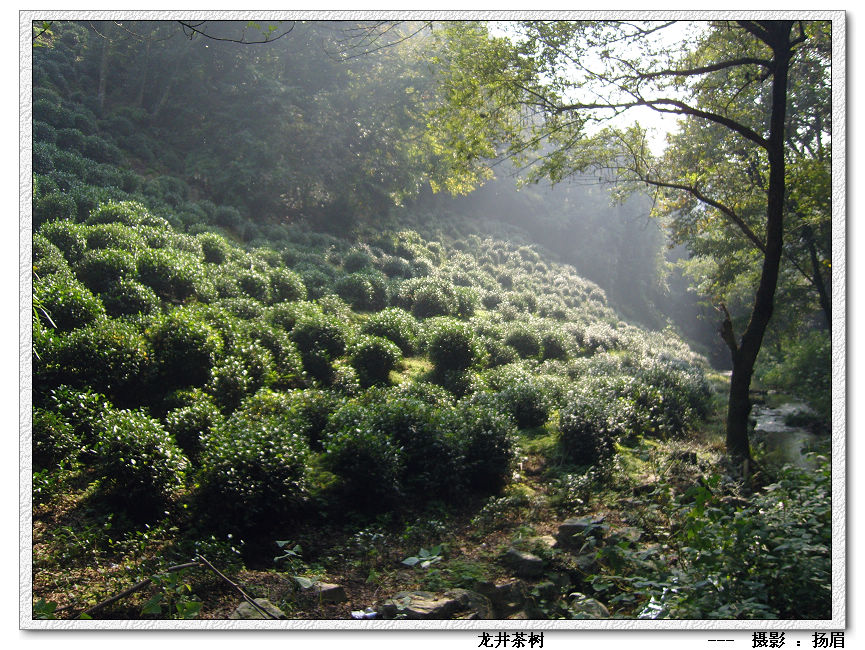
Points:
[(324, 592), (584, 607), (573, 532), (420, 605), (507, 597), (525, 565), (246, 611)]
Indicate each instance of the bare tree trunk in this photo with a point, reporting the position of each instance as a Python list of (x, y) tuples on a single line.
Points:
[(776, 34)]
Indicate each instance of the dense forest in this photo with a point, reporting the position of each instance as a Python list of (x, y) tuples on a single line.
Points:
[(390, 320)]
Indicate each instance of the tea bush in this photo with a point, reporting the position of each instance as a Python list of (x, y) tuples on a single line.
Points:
[(189, 425), (138, 460), (525, 340), (186, 348), (101, 269), (253, 472), (395, 325), (67, 302), (487, 439), (129, 297), (54, 439), (453, 347), (373, 357), (286, 286), (587, 435), (109, 356)]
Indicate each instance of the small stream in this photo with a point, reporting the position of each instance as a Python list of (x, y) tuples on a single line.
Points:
[(783, 443)]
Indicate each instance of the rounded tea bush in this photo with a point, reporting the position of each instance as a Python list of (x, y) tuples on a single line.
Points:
[(54, 439), (56, 206), (373, 357), (525, 340), (286, 286), (67, 302), (186, 348), (129, 297), (139, 462), (454, 347), (587, 437), (397, 326), (191, 424), (253, 472), (109, 356), (101, 269), (488, 441)]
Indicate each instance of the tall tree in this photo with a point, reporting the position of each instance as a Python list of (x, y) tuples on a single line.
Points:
[(544, 90)]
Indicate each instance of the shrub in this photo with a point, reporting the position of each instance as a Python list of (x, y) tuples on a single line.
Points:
[(253, 472), (806, 370), (139, 461), (67, 301), (286, 286), (43, 157), (373, 357), (453, 346), (239, 374), (53, 439), (587, 436), (109, 356), (357, 259), (527, 401), (254, 284), (101, 269), (43, 132), (397, 326), (525, 340), (214, 247), (56, 206), (129, 297), (186, 348), (392, 447), (555, 345), (128, 213), (488, 441), (356, 289), (47, 258), (228, 217), (434, 298), (173, 275), (113, 235), (319, 332)]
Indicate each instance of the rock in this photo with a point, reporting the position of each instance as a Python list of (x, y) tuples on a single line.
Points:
[(324, 592), (245, 611), (525, 565), (547, 590), (573, 531), (543, 542), (628, 533), (420, 605), (507, 597), (584, 607)]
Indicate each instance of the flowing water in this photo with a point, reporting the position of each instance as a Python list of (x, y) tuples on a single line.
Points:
[(783, 443)]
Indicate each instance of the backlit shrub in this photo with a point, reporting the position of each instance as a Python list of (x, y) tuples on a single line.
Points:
[(373, 357), (397, 326), (253, 472), (186, 348), (67, 302)]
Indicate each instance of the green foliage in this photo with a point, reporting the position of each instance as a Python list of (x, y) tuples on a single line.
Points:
[(174, 275), (214, 247), (286, 285), (373, 357), (805, 370), (53, 439), (186, 348), (100, 269), (138, 460), (487, 438), (587, 436), (454, 347), (56, 206), (189, 425), (525, 340), (173, 598), (109, 356), (253, 471), (397, 326), (67, 302)]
